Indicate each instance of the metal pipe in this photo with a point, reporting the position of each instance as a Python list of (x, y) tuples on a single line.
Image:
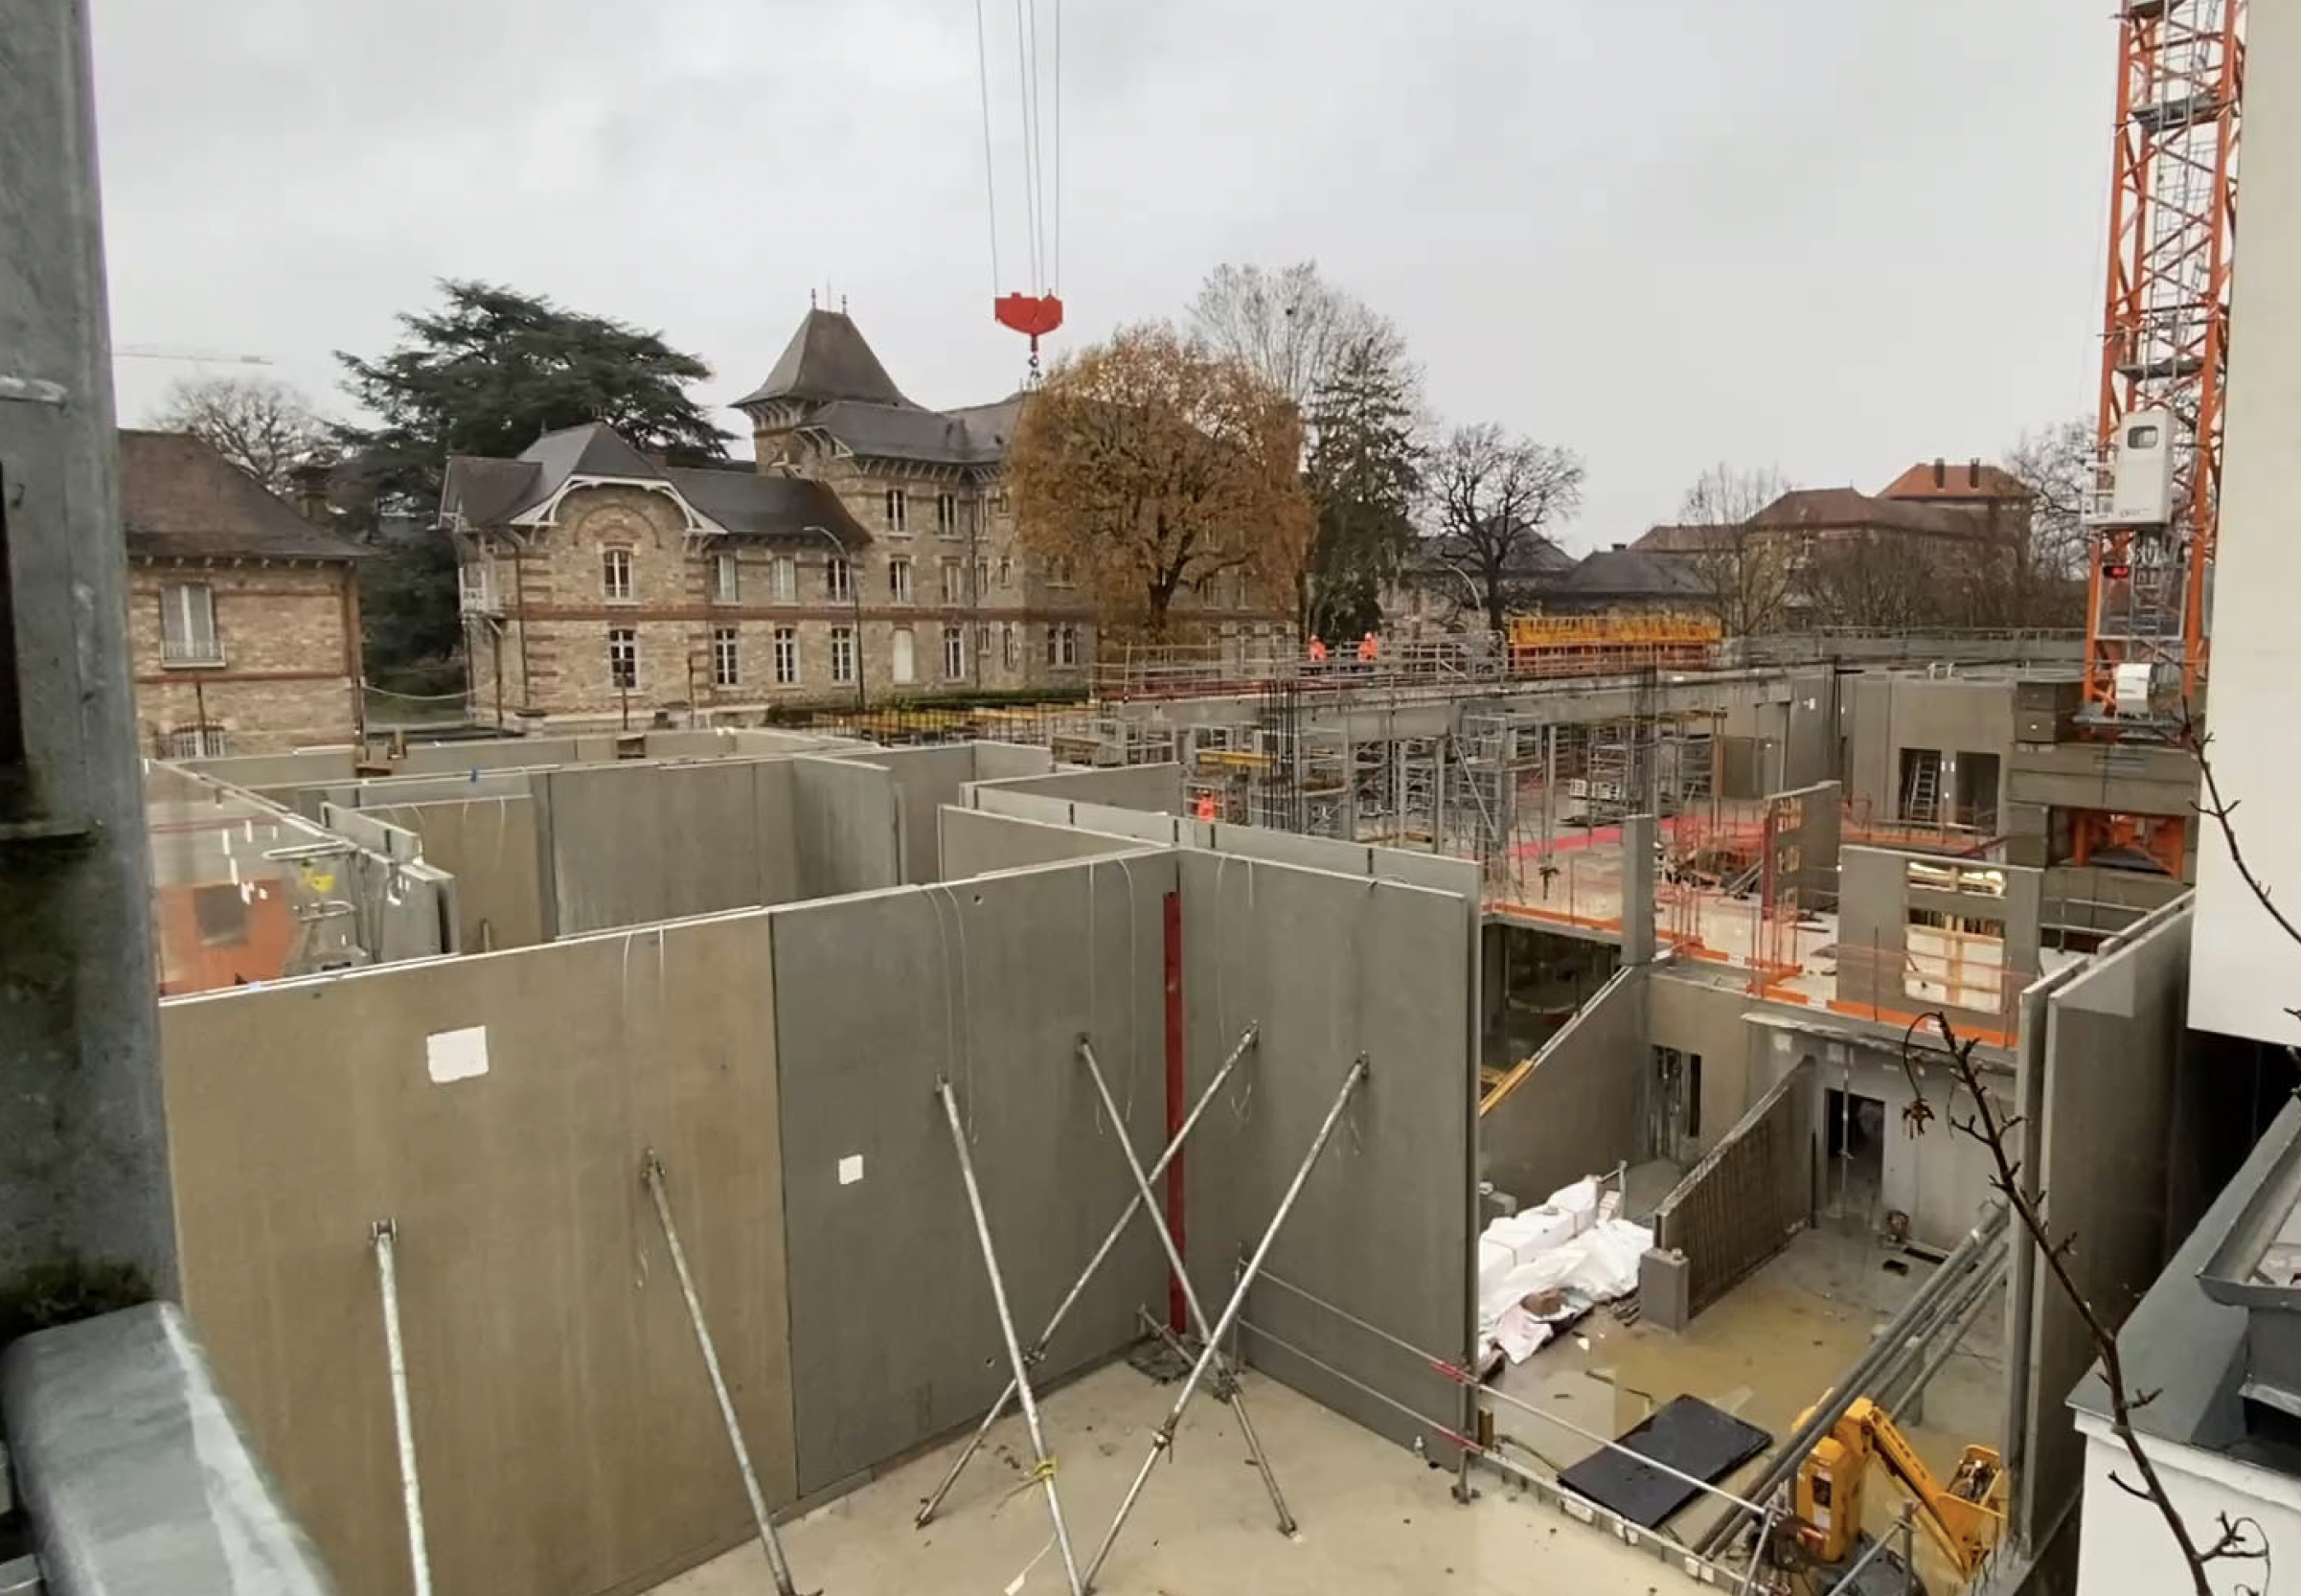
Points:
[(1190, 1292), (651, 1174), (1164, 1438), (1919, 1340), (384, 1235), (1110, 1240), (1469, 1446), (1967, 1314), (1043, 1465), (1854, 1574), (1856, 1381)]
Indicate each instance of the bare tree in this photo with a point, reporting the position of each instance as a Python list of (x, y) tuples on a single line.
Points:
[(1875, 579), (262, 425), (1495, 497), (1747, 574), (2029, 567), (1987, 1123), (1291, 325)]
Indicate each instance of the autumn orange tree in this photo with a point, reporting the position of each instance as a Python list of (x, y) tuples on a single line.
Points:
[(1153, 466)]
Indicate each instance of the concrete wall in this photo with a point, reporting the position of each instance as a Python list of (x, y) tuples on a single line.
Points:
[(846, 827), (1688, 1012), (628, 844), (517, 753), (1157, 788), (258, 771), (567, 1435), (1874, 898), (974, 842), (925, 779), (997, 760), (1332, 967), (1884, 714), (489, 845), (2113, 1042), (1577, 1110), (894, 1339)]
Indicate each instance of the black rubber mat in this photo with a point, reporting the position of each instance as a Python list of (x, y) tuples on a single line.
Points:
[(1689, 1436)]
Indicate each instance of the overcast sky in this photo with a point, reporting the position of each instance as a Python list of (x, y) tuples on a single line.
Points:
[(1834, 235)]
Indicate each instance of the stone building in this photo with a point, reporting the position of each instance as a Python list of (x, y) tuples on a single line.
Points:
[(869, 555), (243, 619)]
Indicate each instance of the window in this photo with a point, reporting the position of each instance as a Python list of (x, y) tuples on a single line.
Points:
[(1005, 572), (947, 515), (475, 585), (2141, 437), (784, 586), (954, 583), (725, 579), (1070, 646), (982, 642), (899, 510), (198, 743), (954, 653), (1059, 571), (726, 664), (982, 578), (1010, 650), (838, 579), (899, 580), (786, 656), (998, 502), (842, 653), (615, 575), (188, 624), (623, 658), (902, 661)]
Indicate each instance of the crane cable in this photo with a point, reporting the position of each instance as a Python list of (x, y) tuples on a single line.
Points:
[(1042, 222)]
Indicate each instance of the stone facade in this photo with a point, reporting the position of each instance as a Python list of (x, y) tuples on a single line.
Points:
[(283, 668)]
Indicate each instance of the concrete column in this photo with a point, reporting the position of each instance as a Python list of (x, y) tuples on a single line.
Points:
[(84, 1201), (1637, 889)]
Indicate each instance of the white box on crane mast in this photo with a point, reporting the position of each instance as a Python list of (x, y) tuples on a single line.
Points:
[(2134, 483)]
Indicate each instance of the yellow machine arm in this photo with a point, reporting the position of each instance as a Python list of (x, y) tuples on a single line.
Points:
[(1964, 1517)]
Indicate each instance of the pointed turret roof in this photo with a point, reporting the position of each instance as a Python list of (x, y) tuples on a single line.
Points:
[(828, 358)]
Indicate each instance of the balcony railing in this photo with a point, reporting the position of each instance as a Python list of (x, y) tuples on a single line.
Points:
[(190, 650)]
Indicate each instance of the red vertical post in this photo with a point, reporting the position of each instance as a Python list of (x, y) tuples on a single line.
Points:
[(1178, 1106)]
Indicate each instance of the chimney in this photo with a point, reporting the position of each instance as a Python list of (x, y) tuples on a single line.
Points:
[(1620, 547), (1973, 472), (311, 480), (1940, 472)]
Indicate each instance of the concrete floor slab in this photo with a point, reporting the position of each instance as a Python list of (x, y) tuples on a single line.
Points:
[(1376, 1520)]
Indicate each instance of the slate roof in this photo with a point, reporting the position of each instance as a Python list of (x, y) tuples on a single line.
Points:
[(1847, 509), (1681, 539), (1630, 573), (179, 499), (1533, 556), (828, 358), (490, 493)]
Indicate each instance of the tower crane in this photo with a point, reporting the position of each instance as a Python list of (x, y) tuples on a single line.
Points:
[(2152, 513)]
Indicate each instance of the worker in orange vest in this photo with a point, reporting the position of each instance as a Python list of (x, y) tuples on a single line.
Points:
[(1317, 651), (1369, 647), (1206, 806)]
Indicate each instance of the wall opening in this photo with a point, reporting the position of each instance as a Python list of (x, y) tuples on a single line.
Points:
[(1975, 799), (1854, 1143), (1920, 785)]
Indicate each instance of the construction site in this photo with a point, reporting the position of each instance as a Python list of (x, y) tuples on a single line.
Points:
[(1474, 1118)]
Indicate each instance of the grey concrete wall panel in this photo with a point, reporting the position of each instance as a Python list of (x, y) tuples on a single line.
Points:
[(999, 798), (894, 1339), (1577, 1112), (1331, 967), (997, 760), (137, 1478), (257, 770), (974, 843), (1637, 889), (1748, 1197), (1700, 1016), (629, 844), (2114, 1040), (925, 779), (490, 846), (412, 908), (379, 836), (720, 743), (1157, 788), (519, 753), (846, 827), (1874, 899), (2094, 775), (1810, 748), (568, 1437), (414, 790)]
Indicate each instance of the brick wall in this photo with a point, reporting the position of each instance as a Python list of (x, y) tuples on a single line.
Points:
[(288, 635)]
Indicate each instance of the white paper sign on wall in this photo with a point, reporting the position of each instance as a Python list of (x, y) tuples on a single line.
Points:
[(850, 1169), (456, 1055)]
